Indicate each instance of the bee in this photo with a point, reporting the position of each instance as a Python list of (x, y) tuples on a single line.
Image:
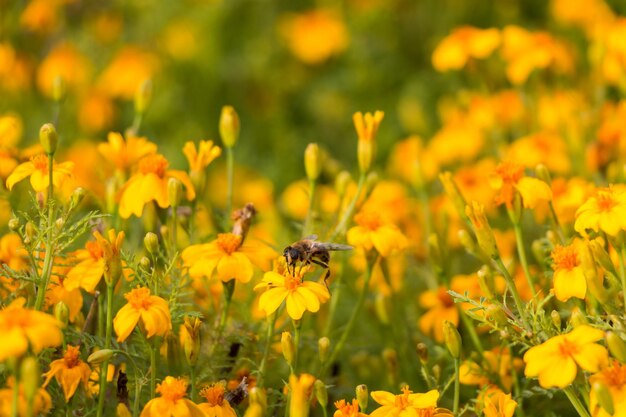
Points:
[(308, 251)]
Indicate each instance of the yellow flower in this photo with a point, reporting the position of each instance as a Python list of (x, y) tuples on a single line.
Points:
[(201, 158), (498, 363), (125, 153), (57, 292), (605, 211), (215, 405), (540, 148), (11, 128), (569, 279), (87, 272), (314, 36), (499, 404), (300, 388), (408, 404), (464, 43), (13, 254), (372, 232), (153, 312), (69, 371), (150, 183), (613, 378), (299, 295), (508, 179), (555, 361), (226, 256), (21, 328), (66, 62), (41, 404), (346, 409), (125, 73), (366, 128), (440, 306), (172, 402), (37, 169)]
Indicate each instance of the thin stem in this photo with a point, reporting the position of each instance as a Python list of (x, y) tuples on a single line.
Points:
[(174, 233), (230, 167), (297, 324), (16, 394), (353, 317), (457, 386), (347, 215), (571, 395), (153, 369), (469, 326), (521, 251), (622, 271), (266, 350), (47, 263), (104, 367), (306, 230), (229, 289), (516, 297)]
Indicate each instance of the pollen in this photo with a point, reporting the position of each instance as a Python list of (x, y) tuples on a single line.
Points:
[(139, 298), (40, 162), (228, 242), (614, 376), (567, 348), (371, 221), (155, 164), (565, 257), (72, 356), (214, 394), (172, 389), (292, 283)]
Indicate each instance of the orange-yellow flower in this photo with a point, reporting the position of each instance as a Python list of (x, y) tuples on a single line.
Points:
[(125, 73), (13, 254), (153, 312), (348, 409), (509, 179), (372, 232), (41, 404), (172, 402), (499, 404), (69, 371), (21, 328), (37, 169), (464, 43), (215, 405), (556, 361), (125, 153), (201, 157), (605, 211), (298, 295), (150, 183), (440, 307), (66, 62), (569, 279), (498, 363), (366, 128), (408, 404), (88, 271), (300, 391), (614, 379)]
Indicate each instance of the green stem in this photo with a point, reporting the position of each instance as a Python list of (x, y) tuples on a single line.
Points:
[(104, 367), (266, 351), (16, 394), (622, 271), (571, 395), (516, 297), (469, 326), (521, 251), (174, 233), (347, 215), (153, 368), (457, 386), (306, 230), (229, 289), (230, 168), (297, 324), (353, 318), (334, 300), (47, 263), (192, 373)]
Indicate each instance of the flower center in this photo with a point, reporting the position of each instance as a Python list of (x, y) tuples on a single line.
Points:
[(172, 389), (292, 283), (40, 162), (368, 220), (213, 394), (568, 348), (565, 257), (228, 242), (402, 400), (139, 298), (605, 200), (155, 164), (71, 356), (445, 298), (94, 250)]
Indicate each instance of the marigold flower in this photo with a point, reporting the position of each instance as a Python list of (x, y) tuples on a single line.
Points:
[(37, 169), (499, 404), (125, 153), (21, 328), (172, 402), (300, 388), (509, 178), (41, 404), (498, 362), (150, 183), (605, 211), (614, 379), (299, 295), (464, 43), (372, 232), (348, 409), (366, 128), (201, 157), (111, 252), (440, 307), (153, 312), (408, 404), (86, 274), (69, 371), (57, 293), (569, 278), (555, 361), (215, 405)]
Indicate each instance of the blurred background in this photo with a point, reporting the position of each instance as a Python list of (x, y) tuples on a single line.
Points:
[(294, 71)]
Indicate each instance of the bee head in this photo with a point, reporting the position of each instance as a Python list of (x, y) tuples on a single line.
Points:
[(290, 254)]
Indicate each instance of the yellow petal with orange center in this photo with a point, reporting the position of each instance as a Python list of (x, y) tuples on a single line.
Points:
[(383, 397)]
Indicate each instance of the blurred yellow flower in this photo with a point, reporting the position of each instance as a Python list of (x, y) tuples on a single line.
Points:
[(11, 128), (613, 378), (41, 404), (66, 62), (38, 171), (299, 393), (172, 402), (126, 72), (456, 141), (15, 70), (455, 50), (150, 184), (569, 279), (153, 312), (407, 404), (96, 112), (613, 61), (299, 295), (314, 36), (14, 255), (41, 16), (201, 157), (125, 153), (411, 161), (215, 405), (373, 232), (69, 372), (499, 404), (540, 148), (594, 16), (22, 328), (556, 361), (605, 211), (508, 179)]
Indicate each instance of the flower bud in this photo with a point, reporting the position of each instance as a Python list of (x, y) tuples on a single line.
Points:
[(484, 234), (143, 96), (362, 396), (603, 396), (29, 232), (31, 377), (422, 353), (229, 126), (77, 196), (342, 180), (48, 138), (495, 314), (467, 241), (122, 410), (59, 223), (259, 396), (323, 346), (616, 345), (14, 224), (190, 339), (577, 318), (58, 89), (365, 154), (556, 319), (100, 356), (381, 306), (454, 193), (312, 161), (288, 347), (602, 257), (321, 394), (144, 262), (151, 242), (174, 191), (485, 281), (366, 128), (452, 338), (62, 312)]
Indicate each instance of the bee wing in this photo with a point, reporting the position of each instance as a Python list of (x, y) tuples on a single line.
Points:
[(310, 237), (332, 246)]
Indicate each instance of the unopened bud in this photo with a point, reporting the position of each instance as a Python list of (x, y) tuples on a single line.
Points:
[(616, 345), (31, 377), (77, 196), (100, 356), (452, 338), (543, 173), (436, 371), (312, 161), (321, 393), (485, 281), (14, 224), (29, 232), (229, 126), (602, 257), (323, 346), (151, 242), (603, 396), (122, 410), (362, 396), (556, 319), (288, 347), (495, 314), (454, 193), (143, 95), (59, 223), (190, 339), (422, 353), (577, 318), (174, 191), (467, 241), (259, 396), (48, 138), (58, 89), (62, 312), (381, 306), (342, 180), (144, 262), (484, 234)]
